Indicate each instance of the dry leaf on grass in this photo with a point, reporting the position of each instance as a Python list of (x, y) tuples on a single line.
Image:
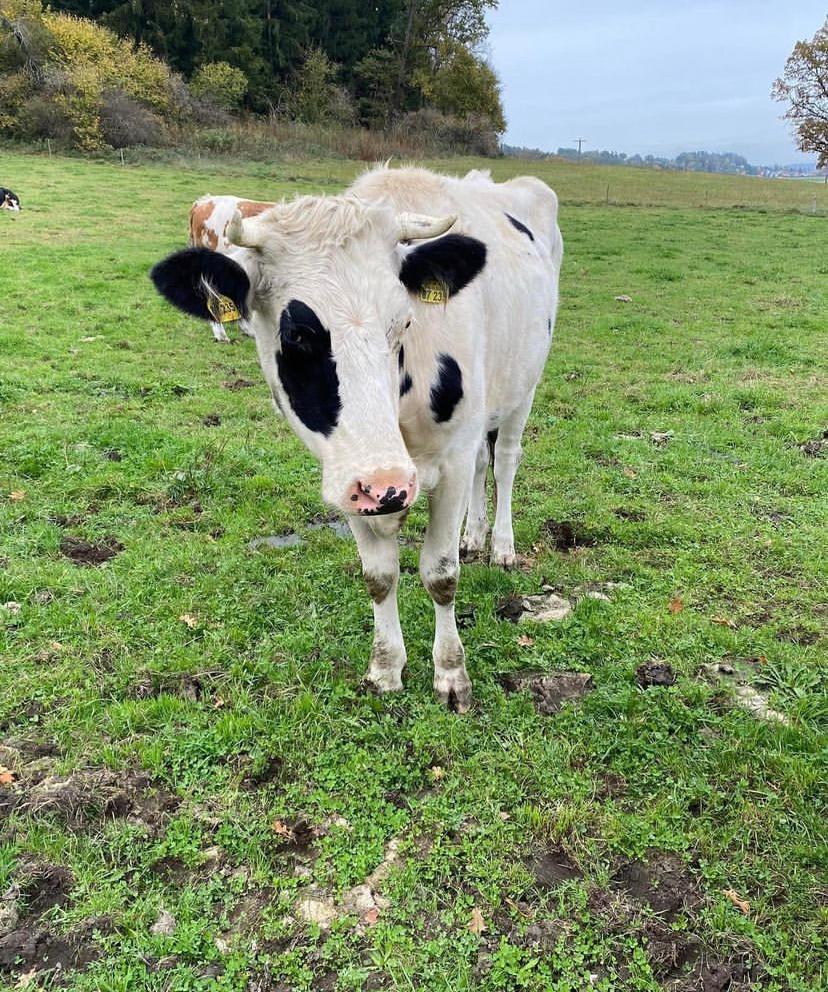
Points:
[(189, 620), (723, 622), (476, 924), (6, 776), (438, 773), (741, 904), (630, 474), (676, 605), (16, 495), (370, 917), (525, 641), (12, 607), (280, 828)]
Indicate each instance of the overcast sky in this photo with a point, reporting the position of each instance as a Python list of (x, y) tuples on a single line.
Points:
[(649, 76)]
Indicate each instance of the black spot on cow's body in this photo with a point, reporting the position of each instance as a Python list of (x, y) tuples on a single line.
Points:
[(405, 379), (183, 278), (520, 227), (452, 261), (307, 369), (447, 390)]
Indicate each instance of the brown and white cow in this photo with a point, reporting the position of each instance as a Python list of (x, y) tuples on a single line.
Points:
[(209, 219), (399, 354)]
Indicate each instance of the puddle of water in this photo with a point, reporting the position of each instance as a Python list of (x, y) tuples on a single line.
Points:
[(293, 540), (275, 541)]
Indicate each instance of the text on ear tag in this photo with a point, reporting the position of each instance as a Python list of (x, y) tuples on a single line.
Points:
[(433, 292), (222, 308)]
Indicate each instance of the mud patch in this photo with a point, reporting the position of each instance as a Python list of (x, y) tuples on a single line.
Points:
[(567, 535), (42, 886), (234, 385), (38, 949), (550, 868), (655, 673), (83, 552), (663, 882), (550, 692), (211, 420), (90, 795), (817, 447)]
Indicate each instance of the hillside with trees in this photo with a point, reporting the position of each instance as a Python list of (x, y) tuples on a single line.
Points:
[(98, 73)]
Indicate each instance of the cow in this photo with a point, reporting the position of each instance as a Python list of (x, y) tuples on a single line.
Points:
[(402, 349), (9, 200), (209, 218)]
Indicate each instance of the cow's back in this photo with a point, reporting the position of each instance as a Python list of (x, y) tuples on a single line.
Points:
[(517, 292)]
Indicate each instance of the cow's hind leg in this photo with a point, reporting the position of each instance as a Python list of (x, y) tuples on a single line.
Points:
[(507, 452), (440, 570), (381, 570), (477, 517)]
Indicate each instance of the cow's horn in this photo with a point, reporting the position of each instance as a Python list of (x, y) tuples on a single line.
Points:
[(414, 227), (242, 232)]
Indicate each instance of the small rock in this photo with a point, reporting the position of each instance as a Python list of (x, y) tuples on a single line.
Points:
[(314, 909), (165, 925), (545, 608)]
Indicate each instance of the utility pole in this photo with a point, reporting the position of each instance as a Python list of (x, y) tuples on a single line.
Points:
[(580, 142)]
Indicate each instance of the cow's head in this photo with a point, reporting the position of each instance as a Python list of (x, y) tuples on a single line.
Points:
[(327, 286), (9, 200)]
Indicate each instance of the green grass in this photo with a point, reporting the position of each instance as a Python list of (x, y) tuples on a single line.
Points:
[(254, 714)]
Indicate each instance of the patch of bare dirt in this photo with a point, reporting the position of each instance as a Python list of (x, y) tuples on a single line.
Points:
[(211, 420), (655, 673), (89, 795), (568, 534), (42, 885), (817, 447), (234, 385), (549, 692), (663, 882), (38, 949), (551, 866), (83, 552)]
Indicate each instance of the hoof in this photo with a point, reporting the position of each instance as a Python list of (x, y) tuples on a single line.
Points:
[(504, 558), (382, 681), (454, 690)]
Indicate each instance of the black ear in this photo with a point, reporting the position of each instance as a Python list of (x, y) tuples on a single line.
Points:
[(453, 260), (181, 278)]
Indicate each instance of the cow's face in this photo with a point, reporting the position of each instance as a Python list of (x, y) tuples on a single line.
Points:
[(330, 304), (9, 201)]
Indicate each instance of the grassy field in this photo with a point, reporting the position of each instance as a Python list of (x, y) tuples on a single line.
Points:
[(189, 769)]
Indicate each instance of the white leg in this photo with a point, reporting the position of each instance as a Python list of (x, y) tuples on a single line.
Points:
[(506, 460), (477, 517), (219, 334), (440, 570), (381, 569)]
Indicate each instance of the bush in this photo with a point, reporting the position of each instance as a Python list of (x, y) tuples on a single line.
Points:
[(315, 97), (473, 134), (126, 122), (219, 84)]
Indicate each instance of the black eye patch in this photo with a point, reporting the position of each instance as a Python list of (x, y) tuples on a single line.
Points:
[(307, 369)]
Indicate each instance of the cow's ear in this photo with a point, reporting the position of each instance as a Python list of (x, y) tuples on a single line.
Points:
[(452, 261), (189, 278)]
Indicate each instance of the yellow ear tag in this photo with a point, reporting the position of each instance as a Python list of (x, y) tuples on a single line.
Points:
[(222, 308), (433, 292)]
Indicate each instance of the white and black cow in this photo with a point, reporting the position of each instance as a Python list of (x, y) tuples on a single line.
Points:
[(9, 200), (399, 357), (209, 219)]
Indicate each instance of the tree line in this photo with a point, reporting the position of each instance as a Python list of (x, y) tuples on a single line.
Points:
[(343, 62)]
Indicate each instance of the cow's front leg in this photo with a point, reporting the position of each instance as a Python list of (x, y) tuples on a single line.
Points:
[(381, 569), (440, 570)]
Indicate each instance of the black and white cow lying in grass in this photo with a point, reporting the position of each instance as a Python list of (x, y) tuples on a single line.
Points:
[(9, 200), (400, 354)]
